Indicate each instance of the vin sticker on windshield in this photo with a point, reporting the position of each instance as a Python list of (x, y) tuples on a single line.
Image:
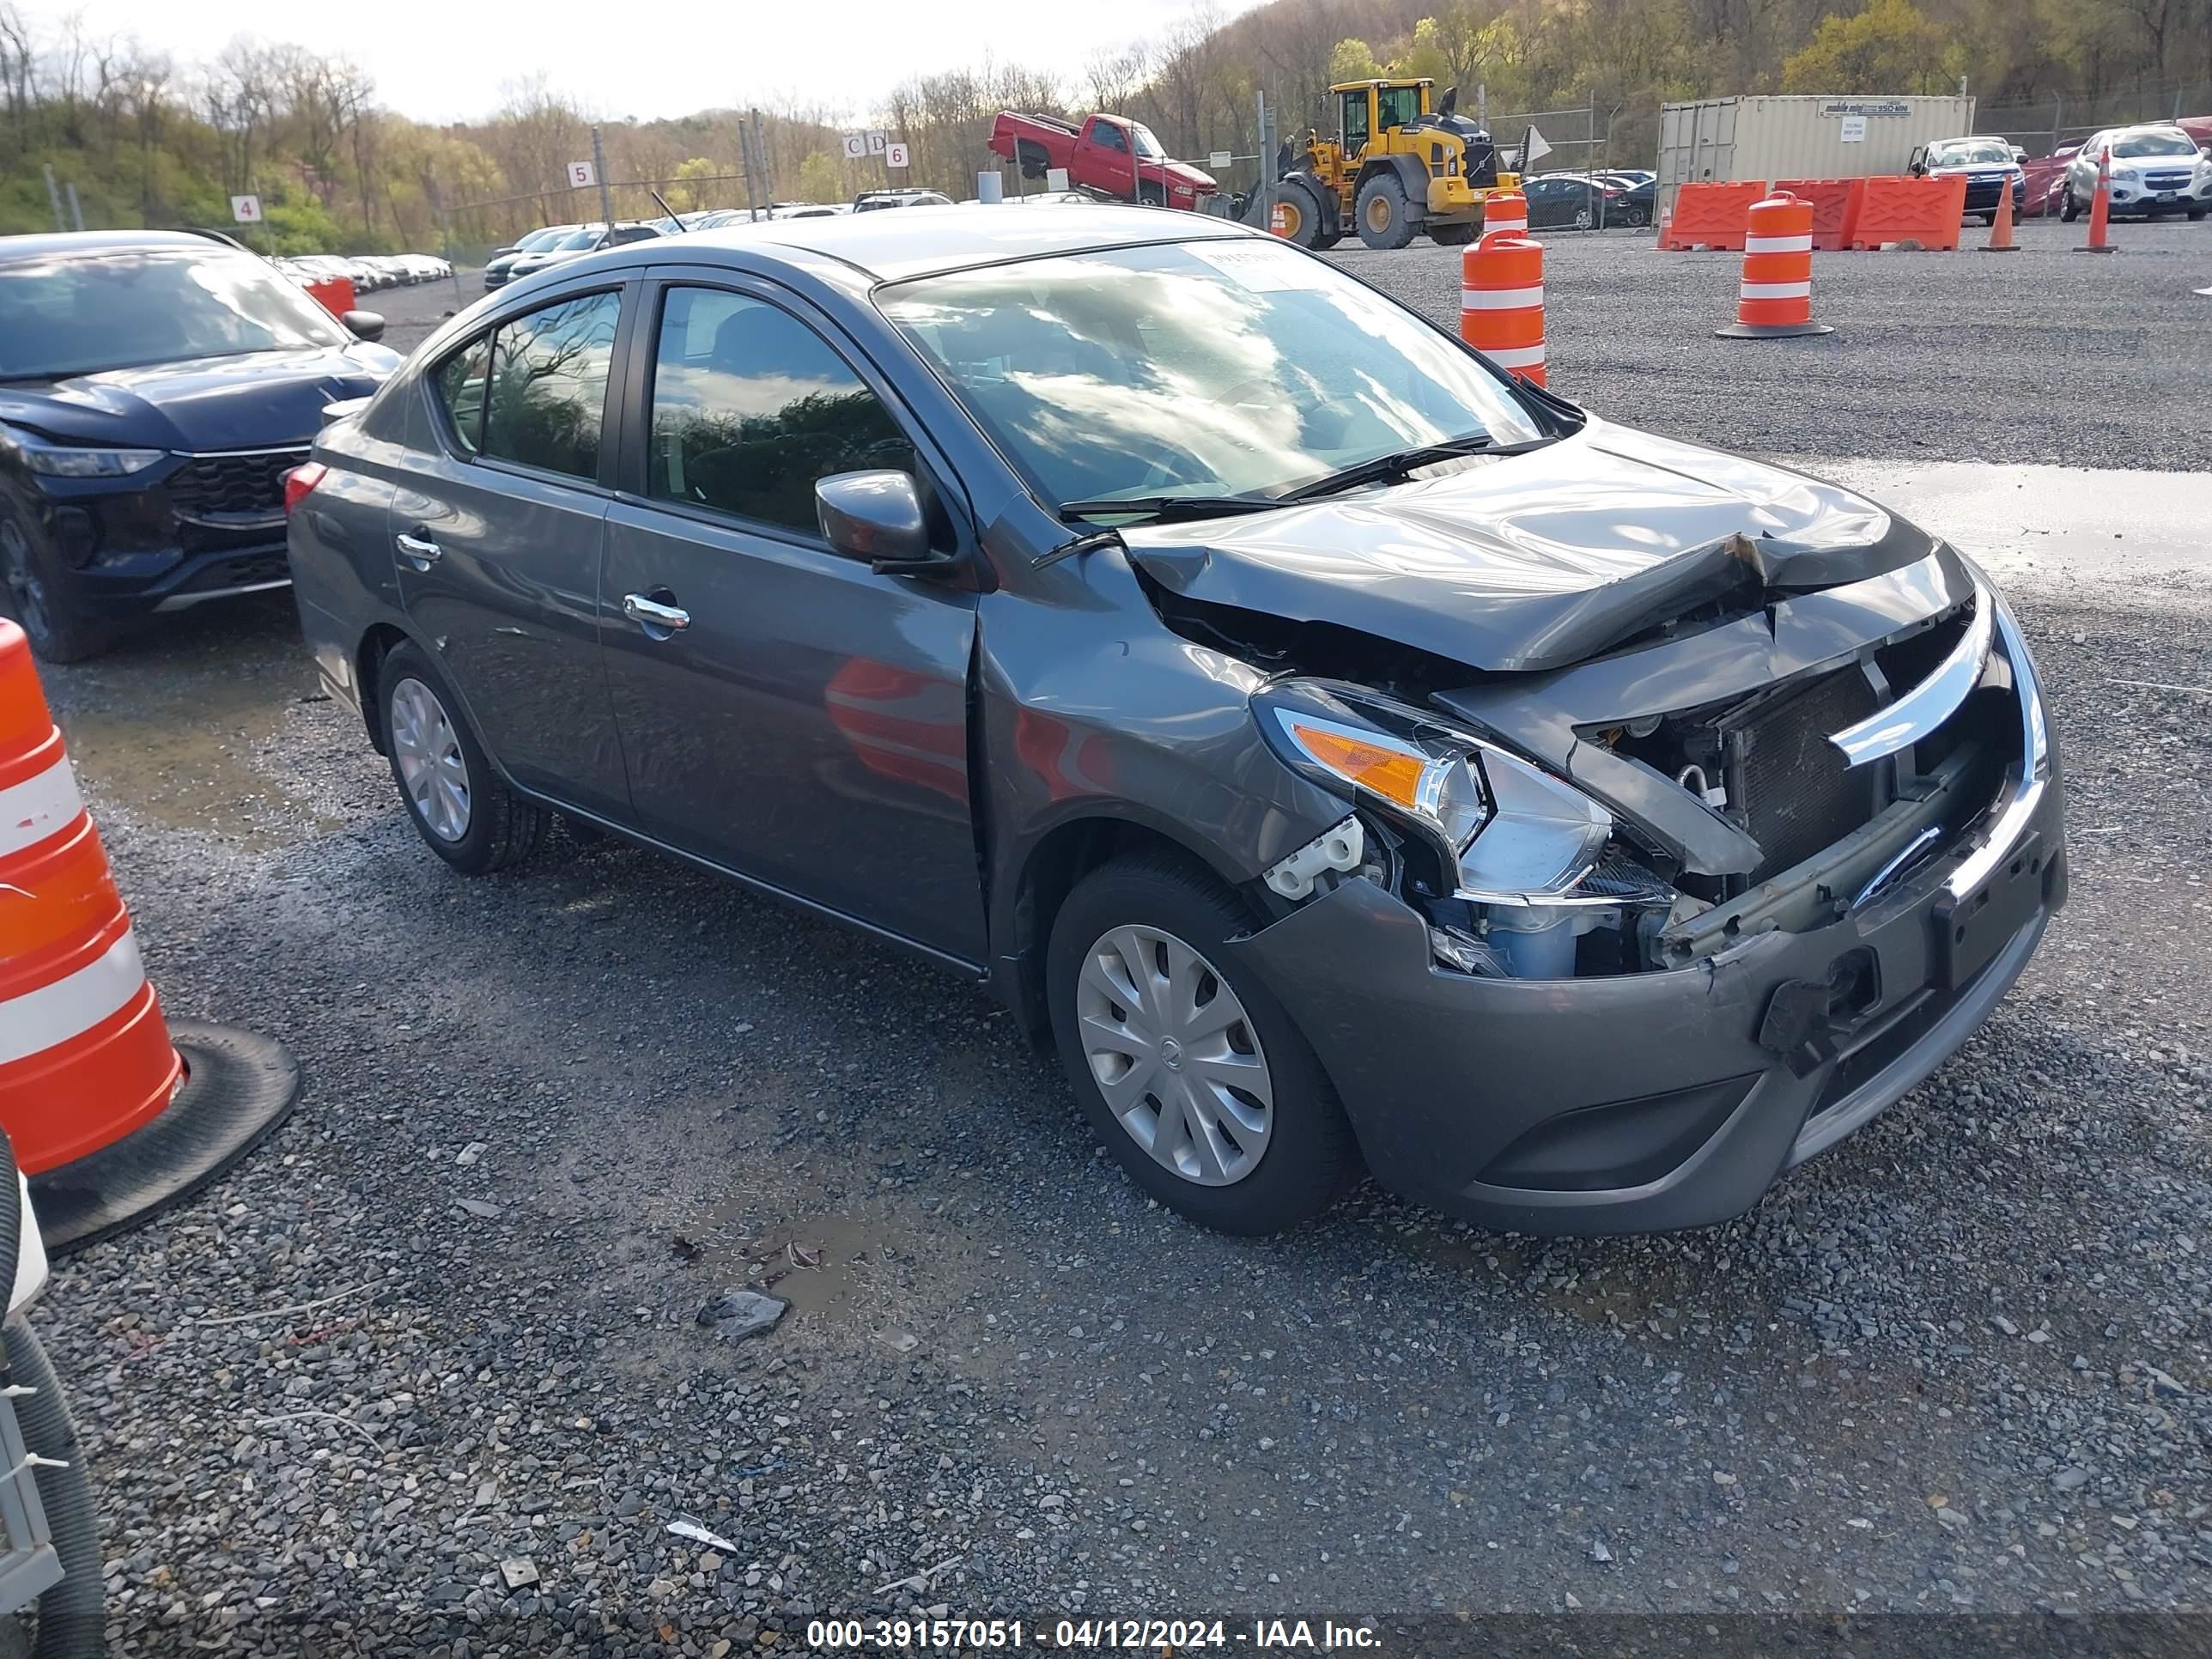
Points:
[(1262, 267)]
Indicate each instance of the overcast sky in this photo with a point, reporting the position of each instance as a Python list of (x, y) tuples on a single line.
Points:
[(444, 60)]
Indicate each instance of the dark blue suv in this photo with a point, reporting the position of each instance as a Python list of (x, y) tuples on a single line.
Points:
[(155, 387)]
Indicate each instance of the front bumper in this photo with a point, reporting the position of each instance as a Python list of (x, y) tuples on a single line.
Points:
[(1648, 1101), (127, 549), (1983, 195)]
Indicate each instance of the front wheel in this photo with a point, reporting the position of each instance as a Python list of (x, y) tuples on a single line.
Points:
[(31, 593), (1151, 195), (1184, 1063), (2196, 213), (2068, 209), (461, 809), (1386, 217)]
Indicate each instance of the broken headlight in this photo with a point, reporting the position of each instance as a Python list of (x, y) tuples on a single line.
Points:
[(1503, 831)]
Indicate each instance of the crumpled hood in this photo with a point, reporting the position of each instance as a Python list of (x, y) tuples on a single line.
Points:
[(1535, 561), (251, 400)]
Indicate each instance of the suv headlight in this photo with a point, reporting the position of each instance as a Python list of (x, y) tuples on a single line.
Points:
[(67, 461), (1503, 831)]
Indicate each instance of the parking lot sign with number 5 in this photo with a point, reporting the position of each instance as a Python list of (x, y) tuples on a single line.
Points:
[(895, 155), (246, 209), (582, 175)]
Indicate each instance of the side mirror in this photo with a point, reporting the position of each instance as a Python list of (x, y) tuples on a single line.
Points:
[(365, 324), (876, 516)]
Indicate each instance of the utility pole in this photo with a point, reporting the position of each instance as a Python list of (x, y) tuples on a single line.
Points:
[(606, 192), (1264, 135)]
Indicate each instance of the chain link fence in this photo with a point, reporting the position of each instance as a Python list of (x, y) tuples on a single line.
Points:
[(1567, 183), (2040, 128)]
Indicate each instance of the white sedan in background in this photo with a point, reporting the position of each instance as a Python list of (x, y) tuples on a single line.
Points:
[(2155, 169)]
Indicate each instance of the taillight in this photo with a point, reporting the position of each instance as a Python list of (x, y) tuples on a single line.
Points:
[(300, 482)]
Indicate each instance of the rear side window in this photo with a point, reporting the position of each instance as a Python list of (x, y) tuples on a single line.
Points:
[(750, 406), (534, 391), (461, 389)]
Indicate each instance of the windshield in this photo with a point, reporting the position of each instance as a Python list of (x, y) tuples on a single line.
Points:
[(2153, 143), (1204, 369), (538, 241), (587, 237), (1994, 151), (1147, 146), (77, 315)]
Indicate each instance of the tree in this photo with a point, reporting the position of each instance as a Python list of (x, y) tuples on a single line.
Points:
[(820, 178), (1352, 60), (1890, 47), (684, 193)]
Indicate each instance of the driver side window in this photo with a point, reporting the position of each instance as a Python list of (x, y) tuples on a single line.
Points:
[(1108, 137), (750, 406)]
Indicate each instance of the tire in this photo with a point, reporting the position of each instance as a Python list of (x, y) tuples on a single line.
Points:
[(1323, 244), (1585, 219), (493, 827), (2195, 214), (31, 593), (72, 1615), (2068, 211), (1265, 1166), (1386, 218), (1151, 194), (1634, 218), (1454, 235), (1308, 217), (1989, 219)]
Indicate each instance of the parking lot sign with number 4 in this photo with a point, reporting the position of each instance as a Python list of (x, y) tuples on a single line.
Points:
[(895, 155), (246, 209)]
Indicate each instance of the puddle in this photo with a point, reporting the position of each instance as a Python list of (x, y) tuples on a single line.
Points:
[(822, 1266), (178, 728)]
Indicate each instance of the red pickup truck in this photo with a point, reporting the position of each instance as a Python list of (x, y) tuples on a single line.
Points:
[(1110, 153)]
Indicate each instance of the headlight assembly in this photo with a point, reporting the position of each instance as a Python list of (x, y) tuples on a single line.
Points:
[(1503, 831), (53, 461)]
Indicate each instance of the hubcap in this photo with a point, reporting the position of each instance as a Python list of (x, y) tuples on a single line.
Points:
[(432, 769), (1175, 1055), (1378, 213), (27, 594)]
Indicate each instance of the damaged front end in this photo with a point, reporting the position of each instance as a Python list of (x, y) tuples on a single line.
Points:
[(1768, 765)]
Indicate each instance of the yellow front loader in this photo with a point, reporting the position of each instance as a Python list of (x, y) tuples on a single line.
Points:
[(1394, 170)]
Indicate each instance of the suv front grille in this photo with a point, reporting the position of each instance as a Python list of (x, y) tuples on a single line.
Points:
[(233, 491), (1791, 784)]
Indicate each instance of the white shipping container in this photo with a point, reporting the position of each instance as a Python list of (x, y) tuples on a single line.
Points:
[(1719, 140)]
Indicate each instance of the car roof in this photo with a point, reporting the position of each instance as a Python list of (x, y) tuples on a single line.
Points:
[(891, 246), (46, 243)]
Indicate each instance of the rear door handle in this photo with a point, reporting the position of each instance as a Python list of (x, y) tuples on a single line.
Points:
[(651, 615), (420, 550)]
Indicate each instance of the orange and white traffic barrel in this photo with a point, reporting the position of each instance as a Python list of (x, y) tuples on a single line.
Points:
[(1502, 302), (111, 1112), (1506, 211), (1774, 300)]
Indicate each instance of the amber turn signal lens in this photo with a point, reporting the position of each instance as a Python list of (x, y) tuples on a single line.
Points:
[(1394, 773)]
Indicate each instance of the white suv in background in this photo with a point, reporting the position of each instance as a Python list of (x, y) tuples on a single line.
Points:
[(2156, 170)]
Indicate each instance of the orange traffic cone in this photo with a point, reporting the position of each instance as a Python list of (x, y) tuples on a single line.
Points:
[(2100, 209), (1774, 300), (2001, 241), (1501, 302), (113, 1113)]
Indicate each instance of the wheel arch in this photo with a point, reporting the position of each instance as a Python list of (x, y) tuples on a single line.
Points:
[(1055, 860)]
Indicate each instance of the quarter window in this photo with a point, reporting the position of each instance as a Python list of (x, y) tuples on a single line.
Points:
[(548, 386), (750, 406), (461, 389)]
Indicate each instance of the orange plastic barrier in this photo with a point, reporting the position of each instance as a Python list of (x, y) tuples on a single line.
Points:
[(1835, 208), (112, 1113), (84, 1055), (1506, 211), (1775, 299), (1709, 215), (1501, 302), (335, 293), (1924, 211)]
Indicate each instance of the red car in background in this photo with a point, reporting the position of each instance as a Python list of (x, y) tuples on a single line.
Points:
[(1107, 153), (2044, 178)]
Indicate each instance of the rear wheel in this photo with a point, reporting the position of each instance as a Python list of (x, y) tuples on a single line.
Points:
[(1191, 1073), (1585, 218), (461, 809), (1300, 205), (32, 592), (1386, 217)]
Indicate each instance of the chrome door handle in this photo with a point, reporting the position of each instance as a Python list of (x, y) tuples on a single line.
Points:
[(420, 550), (650, 614)]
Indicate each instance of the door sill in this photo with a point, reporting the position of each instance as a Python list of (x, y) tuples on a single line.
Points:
[(975, 971)]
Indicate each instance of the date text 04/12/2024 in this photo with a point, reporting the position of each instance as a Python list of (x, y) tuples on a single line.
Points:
[(1139, 1635)]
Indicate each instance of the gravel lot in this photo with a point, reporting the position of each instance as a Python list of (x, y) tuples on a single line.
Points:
[(424, 1375), (2040, 355)]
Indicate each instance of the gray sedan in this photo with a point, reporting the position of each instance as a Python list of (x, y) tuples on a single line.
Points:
[(1350, 758)]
